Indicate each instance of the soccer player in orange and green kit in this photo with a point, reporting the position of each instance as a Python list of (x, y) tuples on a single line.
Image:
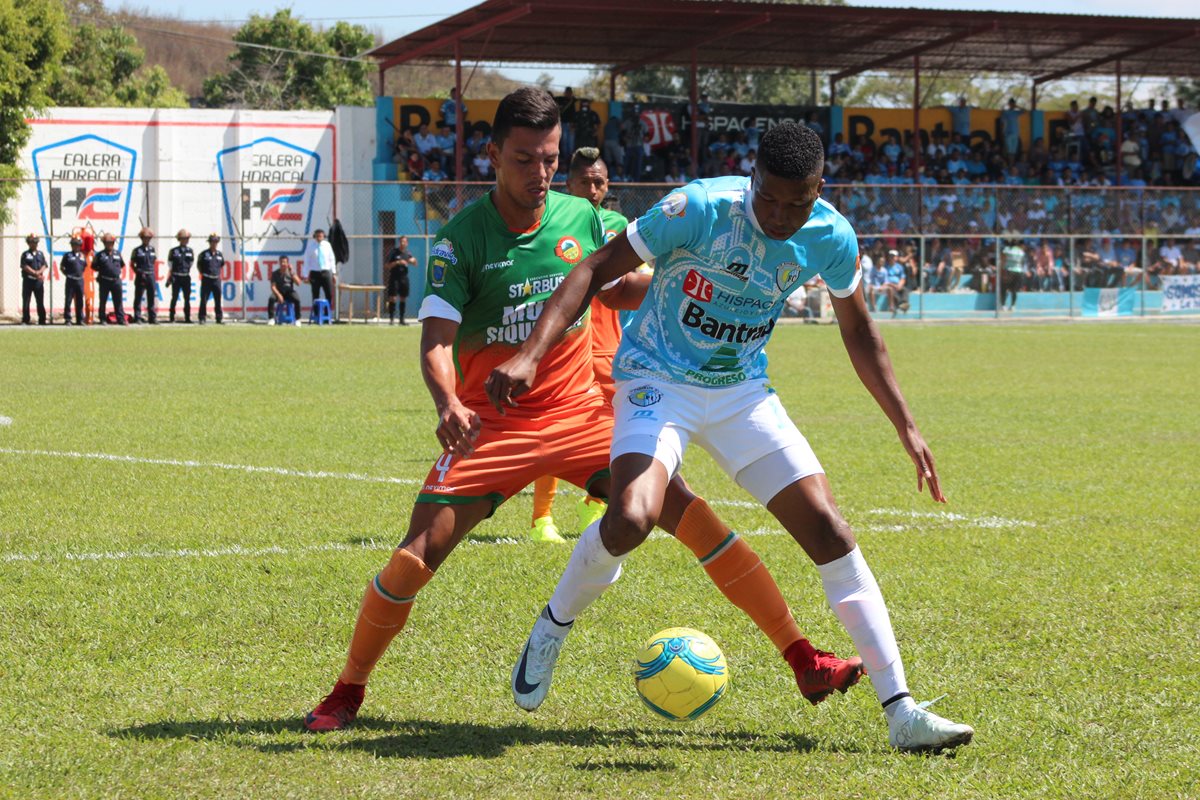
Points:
[(587, 177), (489, 274)]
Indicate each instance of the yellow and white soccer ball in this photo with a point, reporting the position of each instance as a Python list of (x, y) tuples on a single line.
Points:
[(680, 674)]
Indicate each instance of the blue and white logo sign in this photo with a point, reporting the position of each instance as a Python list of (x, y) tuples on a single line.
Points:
[(271, 196), (84, 182)]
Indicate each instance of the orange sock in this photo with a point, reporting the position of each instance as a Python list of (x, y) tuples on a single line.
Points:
[(544, 489), (738, 573), (384, 610)]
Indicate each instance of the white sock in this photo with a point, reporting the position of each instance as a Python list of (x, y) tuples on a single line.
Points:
[(855, 598), (591, 570)]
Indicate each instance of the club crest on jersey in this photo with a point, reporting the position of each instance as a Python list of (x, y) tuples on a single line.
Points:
[(786, 274), (437, 272), (674, 205), (568, 250), (644, 396), (444, 249)]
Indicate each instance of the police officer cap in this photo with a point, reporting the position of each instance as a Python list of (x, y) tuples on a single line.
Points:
[(212, 237), (33, 237), (76, 241), (108, 237), (145, 233), (184, 233)]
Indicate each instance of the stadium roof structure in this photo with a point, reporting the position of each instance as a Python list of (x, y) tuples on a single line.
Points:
[(839, 41)]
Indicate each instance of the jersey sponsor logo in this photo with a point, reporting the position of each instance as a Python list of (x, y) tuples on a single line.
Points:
[(786, 274), (741, 333), (675, 205), (739, 270), (569, 250), (444, 249), (644, 396), (697, 286), (709, 379), (644, 413), (498, 265), (516, 324), (740, 301), (532, 286)]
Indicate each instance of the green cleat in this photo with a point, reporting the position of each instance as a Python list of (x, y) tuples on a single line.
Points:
[(588, 510), (544, 530)]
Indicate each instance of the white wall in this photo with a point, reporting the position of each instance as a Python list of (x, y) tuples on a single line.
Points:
[(119, 169)]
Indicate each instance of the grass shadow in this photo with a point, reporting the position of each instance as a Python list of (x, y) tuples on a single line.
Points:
[(429, 739)]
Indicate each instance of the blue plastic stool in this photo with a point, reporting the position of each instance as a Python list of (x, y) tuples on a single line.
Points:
[(284, 314), (320, 313)]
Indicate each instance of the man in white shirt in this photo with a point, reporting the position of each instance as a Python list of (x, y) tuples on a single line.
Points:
[(322, 267)]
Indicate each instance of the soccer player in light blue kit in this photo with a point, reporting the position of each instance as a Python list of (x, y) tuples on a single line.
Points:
[(691, 367)]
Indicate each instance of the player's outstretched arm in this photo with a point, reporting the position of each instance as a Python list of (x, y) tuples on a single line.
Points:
[(870, 358), (628, 294), (458, 426), (567, 304)]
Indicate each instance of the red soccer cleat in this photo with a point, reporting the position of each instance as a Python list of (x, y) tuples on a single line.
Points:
[(337, 709), (818, 673)]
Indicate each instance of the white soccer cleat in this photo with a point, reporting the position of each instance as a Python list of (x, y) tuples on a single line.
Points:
[(921, 731), (531, 674), (271, 321)]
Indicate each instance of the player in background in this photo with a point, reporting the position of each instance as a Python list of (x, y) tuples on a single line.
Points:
[(587, 177), (727, 253), (492, 268)]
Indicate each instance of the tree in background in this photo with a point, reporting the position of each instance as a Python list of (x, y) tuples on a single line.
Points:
[(285, 73), (1189, 91), (103, 65), (32, 39)]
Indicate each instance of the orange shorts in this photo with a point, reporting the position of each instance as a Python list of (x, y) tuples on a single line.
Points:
[(512, 452)]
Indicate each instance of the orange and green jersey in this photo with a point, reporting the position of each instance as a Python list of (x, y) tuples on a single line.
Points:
[(494, 282), (606, 322)]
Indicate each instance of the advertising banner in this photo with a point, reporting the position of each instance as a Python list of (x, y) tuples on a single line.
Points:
[(259, 180), (1181, 293)]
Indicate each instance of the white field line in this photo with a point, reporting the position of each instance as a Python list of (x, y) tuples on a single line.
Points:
[(949, 516), (172, 462), (369, 545)]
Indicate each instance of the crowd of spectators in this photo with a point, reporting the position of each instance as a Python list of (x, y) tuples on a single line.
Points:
[(985, 199)]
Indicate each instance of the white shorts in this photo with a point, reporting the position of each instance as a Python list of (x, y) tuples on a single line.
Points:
[(744, 428)]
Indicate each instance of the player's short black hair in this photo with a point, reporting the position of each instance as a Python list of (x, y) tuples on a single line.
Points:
[(527, 107), (583, 158), (793, 151)]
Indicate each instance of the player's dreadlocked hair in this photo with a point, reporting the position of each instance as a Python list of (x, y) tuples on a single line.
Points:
[(527, 107), (584, 157), (793, 151)]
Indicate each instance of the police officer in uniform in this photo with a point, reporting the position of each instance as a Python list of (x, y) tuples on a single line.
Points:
[(72, 266), (108, 264), (33, 280), (210, 264), (180, 260), (145, 283)]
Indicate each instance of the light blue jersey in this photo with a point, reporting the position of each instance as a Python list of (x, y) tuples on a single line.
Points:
[(720, 283)]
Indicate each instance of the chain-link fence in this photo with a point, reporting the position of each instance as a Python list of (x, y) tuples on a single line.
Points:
[(927, 251)]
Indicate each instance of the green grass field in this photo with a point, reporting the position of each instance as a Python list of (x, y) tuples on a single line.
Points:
[(164, 624)]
